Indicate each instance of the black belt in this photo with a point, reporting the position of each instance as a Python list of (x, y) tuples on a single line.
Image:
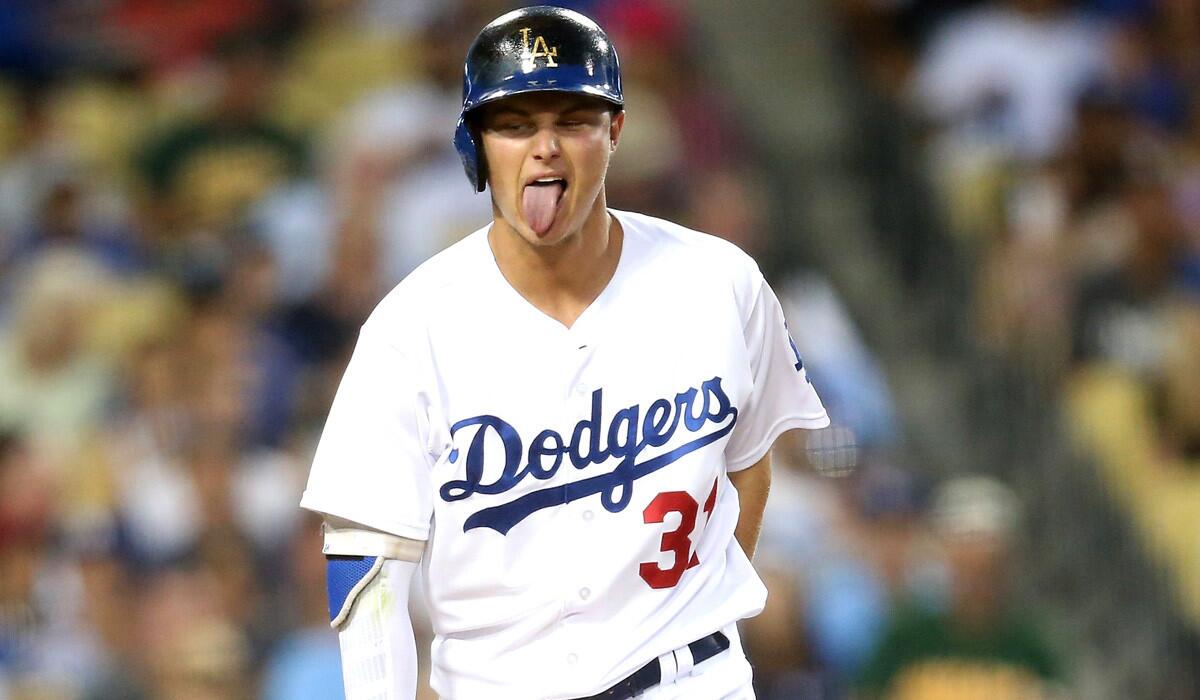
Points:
[(650, 675)]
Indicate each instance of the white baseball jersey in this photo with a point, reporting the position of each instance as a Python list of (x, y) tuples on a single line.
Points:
[(571, 482)]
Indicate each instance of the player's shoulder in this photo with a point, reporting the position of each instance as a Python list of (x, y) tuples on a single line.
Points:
[(675, 245), (421, 295)]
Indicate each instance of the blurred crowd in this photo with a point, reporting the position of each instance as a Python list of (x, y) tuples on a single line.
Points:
[(200, 202), (1061, 140)]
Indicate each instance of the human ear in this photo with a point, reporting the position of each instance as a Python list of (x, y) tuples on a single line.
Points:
[(614, 129)]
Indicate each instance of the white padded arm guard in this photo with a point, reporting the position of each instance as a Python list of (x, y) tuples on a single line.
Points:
[(379, 654), (355, 556), (369, 574), (345, 538)]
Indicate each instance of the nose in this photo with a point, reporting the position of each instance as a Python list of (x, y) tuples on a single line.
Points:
[(545, 144)]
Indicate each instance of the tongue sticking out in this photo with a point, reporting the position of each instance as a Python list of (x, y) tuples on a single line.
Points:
[(539, 204)]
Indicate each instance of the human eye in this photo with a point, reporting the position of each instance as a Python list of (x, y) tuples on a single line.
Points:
[(574, 121), (511, 127)]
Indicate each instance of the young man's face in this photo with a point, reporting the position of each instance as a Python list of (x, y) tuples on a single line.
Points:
[(547, 154)]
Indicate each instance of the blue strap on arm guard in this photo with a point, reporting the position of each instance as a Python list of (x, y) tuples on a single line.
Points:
[(345, 578)]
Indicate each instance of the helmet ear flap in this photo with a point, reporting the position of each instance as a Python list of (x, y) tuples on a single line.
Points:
[(470, 149)]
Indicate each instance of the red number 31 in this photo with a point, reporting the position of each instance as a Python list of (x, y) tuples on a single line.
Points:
[(677, 541)]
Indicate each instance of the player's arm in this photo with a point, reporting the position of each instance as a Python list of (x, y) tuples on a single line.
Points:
[(368, 576), (753, 484), (780, 399)]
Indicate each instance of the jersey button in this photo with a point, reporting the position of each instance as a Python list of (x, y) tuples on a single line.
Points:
[(580, 389), (588, 515), (585, 593), (572, 658)]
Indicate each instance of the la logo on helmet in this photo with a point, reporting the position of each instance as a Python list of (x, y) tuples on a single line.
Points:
[(540, 49)]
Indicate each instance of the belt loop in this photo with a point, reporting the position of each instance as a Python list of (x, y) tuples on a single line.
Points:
[(669, 670), (684, 661)]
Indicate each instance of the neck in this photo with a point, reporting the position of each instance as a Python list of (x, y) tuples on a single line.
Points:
[(564, 278)]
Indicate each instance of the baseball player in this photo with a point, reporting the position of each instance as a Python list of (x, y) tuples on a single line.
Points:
[(563, 421)]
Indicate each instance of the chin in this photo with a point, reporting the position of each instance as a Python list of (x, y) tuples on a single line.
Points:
[(561, 230), (553, 237)]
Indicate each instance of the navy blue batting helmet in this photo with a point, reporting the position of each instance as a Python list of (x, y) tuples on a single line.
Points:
[(534, 49)]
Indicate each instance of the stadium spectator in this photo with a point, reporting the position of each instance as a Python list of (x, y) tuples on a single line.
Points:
[(981, 645), (1008, 73), (46, 645), (56, 386), (204, 173)]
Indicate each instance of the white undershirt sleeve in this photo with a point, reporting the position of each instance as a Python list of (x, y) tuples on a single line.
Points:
[(379, 654)]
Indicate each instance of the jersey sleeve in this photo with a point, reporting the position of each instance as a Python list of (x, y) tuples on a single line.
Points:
[(372, 464), (781, 396)]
